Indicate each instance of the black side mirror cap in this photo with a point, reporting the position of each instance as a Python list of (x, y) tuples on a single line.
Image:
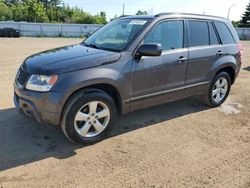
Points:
[(149, 50)]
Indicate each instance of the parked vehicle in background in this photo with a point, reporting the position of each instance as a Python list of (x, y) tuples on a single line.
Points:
[(131, 63), (9, 32)]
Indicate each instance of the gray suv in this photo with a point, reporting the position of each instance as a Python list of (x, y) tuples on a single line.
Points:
[(131, 63)]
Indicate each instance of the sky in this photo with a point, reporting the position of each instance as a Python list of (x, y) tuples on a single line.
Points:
[(210, 7)]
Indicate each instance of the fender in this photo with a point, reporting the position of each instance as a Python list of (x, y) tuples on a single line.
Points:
[(69, 84), (220, 64)]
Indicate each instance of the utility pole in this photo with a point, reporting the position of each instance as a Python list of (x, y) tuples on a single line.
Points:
[(229, 10), (123, 9)]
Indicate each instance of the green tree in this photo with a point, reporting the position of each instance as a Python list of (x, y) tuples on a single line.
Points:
[(5, 12), (104, 17), (46, 11), (100, 18), (245, 21), (236, 23), (78, 16), (36, 11), (55, 2), (142, 12), (48, 3), (12, 2), (20, 12)]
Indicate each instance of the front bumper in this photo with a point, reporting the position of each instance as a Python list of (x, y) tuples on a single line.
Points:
[(43, 107)]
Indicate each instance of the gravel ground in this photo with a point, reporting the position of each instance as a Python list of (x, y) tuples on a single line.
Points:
[(181, 144)]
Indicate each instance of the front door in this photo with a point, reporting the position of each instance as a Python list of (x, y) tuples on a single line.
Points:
[(159, 79)]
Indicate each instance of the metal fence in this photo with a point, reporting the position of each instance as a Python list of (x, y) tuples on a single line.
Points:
[(72, 30), (244, 33), (50, 29)]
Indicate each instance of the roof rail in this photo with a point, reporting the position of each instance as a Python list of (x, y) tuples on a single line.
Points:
[(186, 14), (122, 16)]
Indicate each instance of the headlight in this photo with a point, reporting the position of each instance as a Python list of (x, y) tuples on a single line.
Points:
[(41, 82)]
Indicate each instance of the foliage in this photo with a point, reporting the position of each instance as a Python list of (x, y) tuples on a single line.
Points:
[(139, 12), (36, 11), (236, 23), (5, 12), (52, 11), (142, 12), (245, 21)]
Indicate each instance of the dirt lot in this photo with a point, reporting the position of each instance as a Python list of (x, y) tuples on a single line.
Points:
[(182, 144)]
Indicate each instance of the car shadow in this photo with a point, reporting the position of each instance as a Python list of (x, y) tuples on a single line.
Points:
[(247, 68), (24, 141)]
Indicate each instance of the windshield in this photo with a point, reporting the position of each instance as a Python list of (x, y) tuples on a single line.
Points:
[(116, 35)]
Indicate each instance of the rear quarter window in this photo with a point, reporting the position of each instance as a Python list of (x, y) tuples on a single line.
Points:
[(225, 34)]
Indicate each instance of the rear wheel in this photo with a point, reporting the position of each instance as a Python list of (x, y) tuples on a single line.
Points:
[(218, 90), (88, 117)]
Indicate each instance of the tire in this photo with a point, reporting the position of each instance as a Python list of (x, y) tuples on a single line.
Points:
[(210, 98), (78, 122)]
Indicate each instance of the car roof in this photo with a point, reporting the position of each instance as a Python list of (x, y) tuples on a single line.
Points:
[(175, 15)]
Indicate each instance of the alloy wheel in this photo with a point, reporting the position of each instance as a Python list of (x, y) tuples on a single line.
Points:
[(219, 90), (92, 119)]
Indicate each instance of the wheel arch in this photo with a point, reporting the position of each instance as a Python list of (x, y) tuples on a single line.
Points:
[(223, 65), (228, 69), (231, 72), (105, 88)]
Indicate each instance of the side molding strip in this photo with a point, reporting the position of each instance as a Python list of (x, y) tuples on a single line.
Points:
[(165, 92)]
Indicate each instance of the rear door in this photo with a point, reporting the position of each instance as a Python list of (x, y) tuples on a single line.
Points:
[(204, 50), (231, 42)]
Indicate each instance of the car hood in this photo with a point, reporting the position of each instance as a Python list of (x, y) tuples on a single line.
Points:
[(67, 59)]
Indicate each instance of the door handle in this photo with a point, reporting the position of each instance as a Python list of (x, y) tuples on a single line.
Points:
[(181, 59), (219, 53)]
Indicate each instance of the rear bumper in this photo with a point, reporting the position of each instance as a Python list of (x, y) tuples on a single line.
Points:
[(238, 70), (43, 107)]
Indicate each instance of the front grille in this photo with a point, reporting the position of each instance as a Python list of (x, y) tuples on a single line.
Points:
[(22, 76)]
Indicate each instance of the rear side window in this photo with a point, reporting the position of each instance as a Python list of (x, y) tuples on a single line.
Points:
[(169, 34), (213, 36), (225, 34), (199, 35)]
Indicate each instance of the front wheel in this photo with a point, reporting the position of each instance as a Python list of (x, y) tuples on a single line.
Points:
[(218, 90), (88, 117)]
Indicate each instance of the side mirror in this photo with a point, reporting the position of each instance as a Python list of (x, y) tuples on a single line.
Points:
[(149, 50)]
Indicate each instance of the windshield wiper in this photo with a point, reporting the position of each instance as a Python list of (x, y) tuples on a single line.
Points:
[(91, 45), (101, 48), (109, 49)]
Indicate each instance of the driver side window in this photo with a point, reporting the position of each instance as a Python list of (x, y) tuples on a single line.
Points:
[(169, 34)]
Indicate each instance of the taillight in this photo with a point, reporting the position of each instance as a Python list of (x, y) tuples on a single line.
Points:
[(240, 48)]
